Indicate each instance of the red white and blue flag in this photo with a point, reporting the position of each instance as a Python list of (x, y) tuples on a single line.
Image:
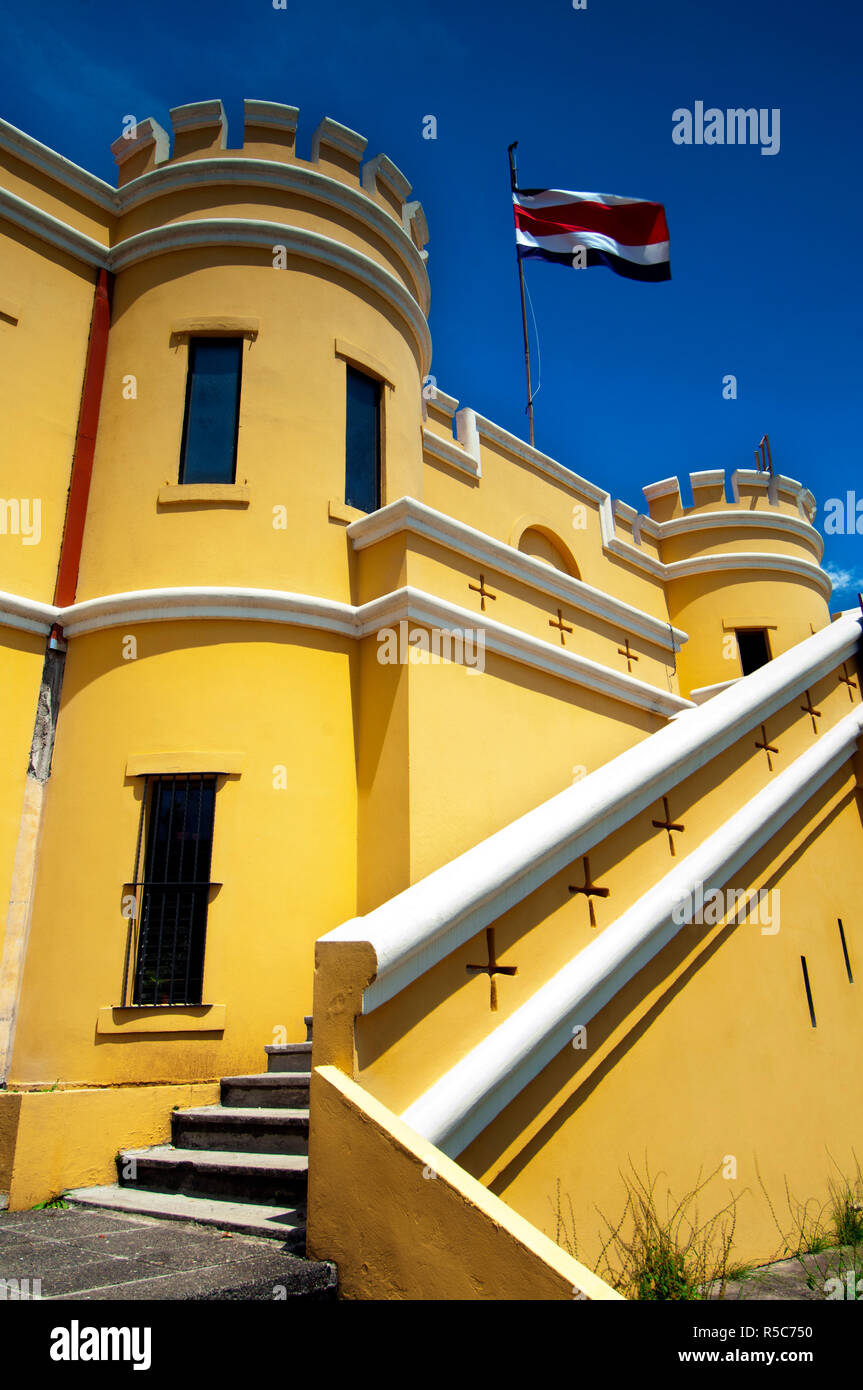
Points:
[(628, 235)]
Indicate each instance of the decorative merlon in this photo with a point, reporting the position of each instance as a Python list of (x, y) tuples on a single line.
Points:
[(750, 481), (329, 135), (142, 136), (272, 114), (667, 487), (415, 223), (381, 175), (200, 115), (711, 477)]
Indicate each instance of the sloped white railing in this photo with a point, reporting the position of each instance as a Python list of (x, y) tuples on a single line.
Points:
[(460, 1105), (423, 924)]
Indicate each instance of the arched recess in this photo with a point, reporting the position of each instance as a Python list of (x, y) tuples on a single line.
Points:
[(534, 537)]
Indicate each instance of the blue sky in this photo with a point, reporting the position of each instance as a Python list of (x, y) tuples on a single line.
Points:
[(762, 247)]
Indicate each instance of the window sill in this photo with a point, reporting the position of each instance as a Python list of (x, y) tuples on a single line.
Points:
[(340, 511), (226, 494), (170, 1018)]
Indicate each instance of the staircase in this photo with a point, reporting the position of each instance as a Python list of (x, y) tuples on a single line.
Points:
[(241, 1165)]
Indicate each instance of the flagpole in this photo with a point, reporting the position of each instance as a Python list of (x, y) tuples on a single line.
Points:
[(513, 174)]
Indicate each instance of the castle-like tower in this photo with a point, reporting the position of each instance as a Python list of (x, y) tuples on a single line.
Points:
[(296, 650)]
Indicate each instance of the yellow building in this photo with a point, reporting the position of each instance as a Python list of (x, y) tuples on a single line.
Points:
[(297, 651)]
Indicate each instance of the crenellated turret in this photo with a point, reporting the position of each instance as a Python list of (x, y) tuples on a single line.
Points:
[(743, 574)]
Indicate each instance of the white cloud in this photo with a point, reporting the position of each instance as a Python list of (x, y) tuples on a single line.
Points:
[(844, 581)]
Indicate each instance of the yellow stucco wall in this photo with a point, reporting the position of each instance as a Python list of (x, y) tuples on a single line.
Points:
[(351, 779), (418, 1226)]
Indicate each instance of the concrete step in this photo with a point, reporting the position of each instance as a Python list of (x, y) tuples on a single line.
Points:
[(241, 1129), (292, 1057), (285, 1224), (265, 1179), (286, 1089)]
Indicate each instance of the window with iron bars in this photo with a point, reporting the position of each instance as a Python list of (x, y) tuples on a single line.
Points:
[(171, 891)]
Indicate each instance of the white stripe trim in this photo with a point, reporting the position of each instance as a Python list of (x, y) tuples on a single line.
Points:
[(413, 517), (554, 197), (330, 615), (26, 614), (473, 1092), (564, 243), (423, 924)]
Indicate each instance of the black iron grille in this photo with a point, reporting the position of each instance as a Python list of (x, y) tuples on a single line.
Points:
[(172, 889)]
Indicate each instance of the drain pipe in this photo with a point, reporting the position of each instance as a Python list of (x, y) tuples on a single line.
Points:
[(45, 727)]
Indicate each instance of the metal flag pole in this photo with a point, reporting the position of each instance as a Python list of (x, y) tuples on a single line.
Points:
[(513, 174)]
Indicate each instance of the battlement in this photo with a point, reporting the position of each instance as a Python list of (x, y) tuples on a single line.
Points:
[(199, 131), (751, 490)]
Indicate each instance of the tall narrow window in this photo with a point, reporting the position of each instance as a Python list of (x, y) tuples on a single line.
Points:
[(363, 442), (754, 649), (175, 883), (212, 410)]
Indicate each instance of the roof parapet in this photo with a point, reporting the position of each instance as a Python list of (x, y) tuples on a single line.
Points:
[(338, 149), (708, 487), (270, 123), (414, 222), (201, 127), (381, 178), (663, 499), (142, 147)]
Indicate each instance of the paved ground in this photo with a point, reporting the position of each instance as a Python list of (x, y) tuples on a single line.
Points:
[(105, 1255)]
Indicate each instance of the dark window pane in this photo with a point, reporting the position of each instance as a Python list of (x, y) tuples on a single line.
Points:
[(170, 963), (754, 651), (363, 442), (212, 410)]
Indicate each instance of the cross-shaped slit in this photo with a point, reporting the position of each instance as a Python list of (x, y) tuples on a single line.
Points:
[(767, 746), (561, 625), (492, 969), (668, 825), (590, 890), (813, 713), (483, 592), (630, 656)]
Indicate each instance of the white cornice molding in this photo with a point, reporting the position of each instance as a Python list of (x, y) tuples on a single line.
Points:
[(519, 646), (729, 519), (765, 561), (541, 462), (215, 602), (409, 515), (51, 230), (208, 602), (423, 924), (49, 162), (478, 1088), (26, 614), (234, 170), (445, 450), (314, 246)]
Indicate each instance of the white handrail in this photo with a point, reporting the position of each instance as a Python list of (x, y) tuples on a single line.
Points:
[(460, 1105), (420, 926)]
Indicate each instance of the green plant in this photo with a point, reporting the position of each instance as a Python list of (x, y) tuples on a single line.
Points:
[(52, 1204), (656, 1254), (846, 1203)]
